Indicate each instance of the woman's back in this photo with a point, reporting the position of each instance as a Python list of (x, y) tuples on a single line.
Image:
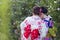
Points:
[(36, 23)]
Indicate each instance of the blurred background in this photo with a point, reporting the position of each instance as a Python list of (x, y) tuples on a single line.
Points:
[(13, 12)]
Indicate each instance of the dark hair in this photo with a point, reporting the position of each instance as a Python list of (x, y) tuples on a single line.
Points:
[(43, 10), (36, 10)]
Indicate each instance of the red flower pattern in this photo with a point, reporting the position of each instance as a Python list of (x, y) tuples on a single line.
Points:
[(27, 31), (34, 34)]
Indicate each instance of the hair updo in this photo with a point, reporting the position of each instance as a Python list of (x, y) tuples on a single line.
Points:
[(43, 10), (36, 10)]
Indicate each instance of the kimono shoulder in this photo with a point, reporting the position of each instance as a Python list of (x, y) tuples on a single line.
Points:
[(25, 21)]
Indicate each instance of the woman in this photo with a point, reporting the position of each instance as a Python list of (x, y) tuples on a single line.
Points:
[(48, 20), (43, 13), (33, 27)]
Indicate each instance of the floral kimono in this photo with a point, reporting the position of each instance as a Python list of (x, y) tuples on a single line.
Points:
[(49, 23), (33, 28)]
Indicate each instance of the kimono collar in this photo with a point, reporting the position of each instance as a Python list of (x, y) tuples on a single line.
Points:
[(36, 17)]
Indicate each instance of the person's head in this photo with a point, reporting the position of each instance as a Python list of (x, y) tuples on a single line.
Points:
[(36, 10), (40, 11), (43, 11)]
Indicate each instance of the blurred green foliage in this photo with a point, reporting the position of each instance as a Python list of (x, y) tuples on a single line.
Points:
[(4, 19), (13, 12)]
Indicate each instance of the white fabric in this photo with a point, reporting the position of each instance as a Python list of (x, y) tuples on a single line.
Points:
[(33, 20)]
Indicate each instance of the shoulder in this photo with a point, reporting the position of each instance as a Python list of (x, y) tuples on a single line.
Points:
[(23, 23), (27, 18)]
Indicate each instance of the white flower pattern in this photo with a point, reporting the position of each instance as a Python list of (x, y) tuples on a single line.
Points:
[(36, 23)]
